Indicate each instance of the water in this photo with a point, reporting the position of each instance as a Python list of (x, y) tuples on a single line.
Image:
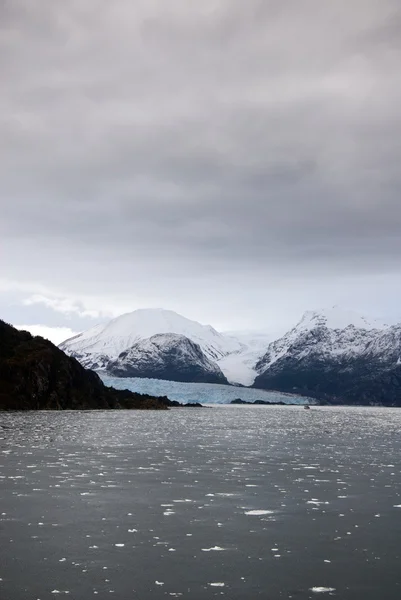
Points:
[(206, 393), (235, 502)]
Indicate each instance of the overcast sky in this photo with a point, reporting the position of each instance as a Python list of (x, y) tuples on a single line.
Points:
[(236, 161)]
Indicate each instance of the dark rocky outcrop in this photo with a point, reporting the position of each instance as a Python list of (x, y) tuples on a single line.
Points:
[(346, 382), (337, 358), (367, 378), (260, 402), (35, 374), (167, 356)]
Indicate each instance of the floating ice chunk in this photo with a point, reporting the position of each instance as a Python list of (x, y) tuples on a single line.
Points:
[(159, 582), (258, 512), (397, 505), (322, 590), (119, 545), (217, 584)]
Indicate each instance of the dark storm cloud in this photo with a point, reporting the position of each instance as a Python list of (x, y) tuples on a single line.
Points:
[(157, 139)]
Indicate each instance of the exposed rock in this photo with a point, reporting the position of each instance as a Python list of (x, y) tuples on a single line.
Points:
[(35, 374), (260, 402), (350, 365), (167, 356)]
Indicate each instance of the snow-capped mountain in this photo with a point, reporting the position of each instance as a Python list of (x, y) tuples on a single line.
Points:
[(338, 318), (336, 355), (95, 347), (332, 354), (341, 326), (167, 356)]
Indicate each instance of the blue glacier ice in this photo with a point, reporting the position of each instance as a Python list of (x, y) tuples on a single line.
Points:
[(206, 393)]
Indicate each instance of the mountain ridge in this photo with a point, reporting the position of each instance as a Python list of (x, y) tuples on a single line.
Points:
[(333, 354), (353, 364), (92, 346)]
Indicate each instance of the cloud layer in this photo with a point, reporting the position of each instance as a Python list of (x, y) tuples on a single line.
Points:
[(208, 157)]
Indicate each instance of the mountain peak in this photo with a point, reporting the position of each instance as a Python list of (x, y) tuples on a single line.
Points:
[(337, 318), (169, 356), (124, 331)]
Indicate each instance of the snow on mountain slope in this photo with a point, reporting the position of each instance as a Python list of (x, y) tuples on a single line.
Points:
[(337, 318), (346, 331), (167, 356), (104, 342), (386, 345), (359, 362), (321, 337)]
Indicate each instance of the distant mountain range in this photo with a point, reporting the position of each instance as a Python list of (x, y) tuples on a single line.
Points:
[(333, 355)]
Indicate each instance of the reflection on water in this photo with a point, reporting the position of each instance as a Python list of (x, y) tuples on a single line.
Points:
[(235, 502)]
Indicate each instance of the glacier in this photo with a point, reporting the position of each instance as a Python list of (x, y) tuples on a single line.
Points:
[(205, 393)]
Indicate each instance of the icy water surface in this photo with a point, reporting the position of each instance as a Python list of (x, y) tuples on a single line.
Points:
[(225, 502)]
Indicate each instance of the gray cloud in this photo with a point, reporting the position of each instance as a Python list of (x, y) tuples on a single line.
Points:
[(185, 155)]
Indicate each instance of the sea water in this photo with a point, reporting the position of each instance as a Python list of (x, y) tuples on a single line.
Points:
[(235, 502)]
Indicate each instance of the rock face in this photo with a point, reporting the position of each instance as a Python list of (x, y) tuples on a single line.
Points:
[(167, 356), (35, 374), (326, 358)]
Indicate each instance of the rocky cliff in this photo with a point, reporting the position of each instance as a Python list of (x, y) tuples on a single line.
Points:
[(35, 374)]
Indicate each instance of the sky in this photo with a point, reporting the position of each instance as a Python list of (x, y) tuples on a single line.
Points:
[(238, 162)]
